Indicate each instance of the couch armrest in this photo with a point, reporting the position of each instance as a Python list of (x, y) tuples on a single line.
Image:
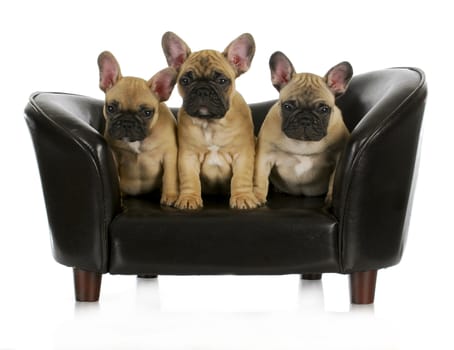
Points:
[(375, 179), (78, 176)]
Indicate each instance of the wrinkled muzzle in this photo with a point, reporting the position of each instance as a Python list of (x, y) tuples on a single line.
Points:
[(204, 101), (305, 127), (127, 128)]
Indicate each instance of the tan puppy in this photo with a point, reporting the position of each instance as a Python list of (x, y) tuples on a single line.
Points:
[(140, 129), (215, 129), (301, 138)]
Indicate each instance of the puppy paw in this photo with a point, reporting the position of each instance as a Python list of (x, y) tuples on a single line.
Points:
[(189, 202), (169, 199), (244, 201), (329, 200), (261, 197)]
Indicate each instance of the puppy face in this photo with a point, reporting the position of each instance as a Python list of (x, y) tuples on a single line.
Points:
[(131, 104), (130, 117), (307, 100), (206, 83), (306, 106), (206, 79)]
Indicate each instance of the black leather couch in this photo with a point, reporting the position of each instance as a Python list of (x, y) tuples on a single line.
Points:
[(95, 231)]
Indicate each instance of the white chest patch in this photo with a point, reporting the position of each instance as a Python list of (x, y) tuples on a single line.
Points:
[(213, 148), (208, 134), (213, 157), (304, 165), (200, 122), (135, 146)]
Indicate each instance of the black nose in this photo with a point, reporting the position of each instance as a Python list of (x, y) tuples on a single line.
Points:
[(127, 124), (203, 92)]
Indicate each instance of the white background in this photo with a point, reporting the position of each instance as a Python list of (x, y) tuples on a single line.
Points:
[(53, 46)]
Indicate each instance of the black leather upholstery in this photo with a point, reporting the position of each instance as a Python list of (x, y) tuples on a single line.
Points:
[(374, 181), (78, 176), (366, 228), (290, 235)]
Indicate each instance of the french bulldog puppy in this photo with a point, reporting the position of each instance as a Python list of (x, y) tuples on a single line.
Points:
[(215, 129), (140, 129), (303, 134)]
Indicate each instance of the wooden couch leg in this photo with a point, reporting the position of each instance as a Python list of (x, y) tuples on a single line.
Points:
[(87, 285), (362, 287), (311, 276)]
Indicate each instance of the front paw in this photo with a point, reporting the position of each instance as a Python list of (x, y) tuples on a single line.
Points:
[(169, 199), (329, 200), (260, 195), (189, 202), (244, 201)]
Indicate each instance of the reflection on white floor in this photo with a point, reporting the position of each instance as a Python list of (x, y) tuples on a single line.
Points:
[(223, 313), (218, 312), (38, 311), (210, 312)]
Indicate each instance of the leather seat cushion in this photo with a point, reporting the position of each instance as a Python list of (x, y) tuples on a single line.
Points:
[(147, 238)]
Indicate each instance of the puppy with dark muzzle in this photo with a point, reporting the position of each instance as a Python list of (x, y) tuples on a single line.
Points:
[(140, 129), (303, 134), (215, 130)]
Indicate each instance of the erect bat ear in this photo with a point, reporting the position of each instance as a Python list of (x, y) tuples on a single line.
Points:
[(240, 53), (338, 78), (109, 70), (162, 83), (282, 70), (175, 50)]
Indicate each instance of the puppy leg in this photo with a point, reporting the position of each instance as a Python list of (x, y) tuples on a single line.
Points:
[(241, 185), (263, 166), (190, 196), (329, 194), (170, 179)]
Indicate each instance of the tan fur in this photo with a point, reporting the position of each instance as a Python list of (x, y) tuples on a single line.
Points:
[(216, 155), (294, 166), (151, 163)]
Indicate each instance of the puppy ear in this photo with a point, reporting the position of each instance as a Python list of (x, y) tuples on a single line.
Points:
[(240, 52), (282, 70), (162, 83), (175, 50), (338, 77), (109, 70)]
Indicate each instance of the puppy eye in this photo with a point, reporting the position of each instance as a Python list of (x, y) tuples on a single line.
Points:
[(111, 108), (186, 79), (148, 113), (324, 109), (220, 78), (288, 106)]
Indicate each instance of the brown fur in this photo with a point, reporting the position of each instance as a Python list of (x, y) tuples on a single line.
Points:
[(296, 166), (150, 163), (215, 155)]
